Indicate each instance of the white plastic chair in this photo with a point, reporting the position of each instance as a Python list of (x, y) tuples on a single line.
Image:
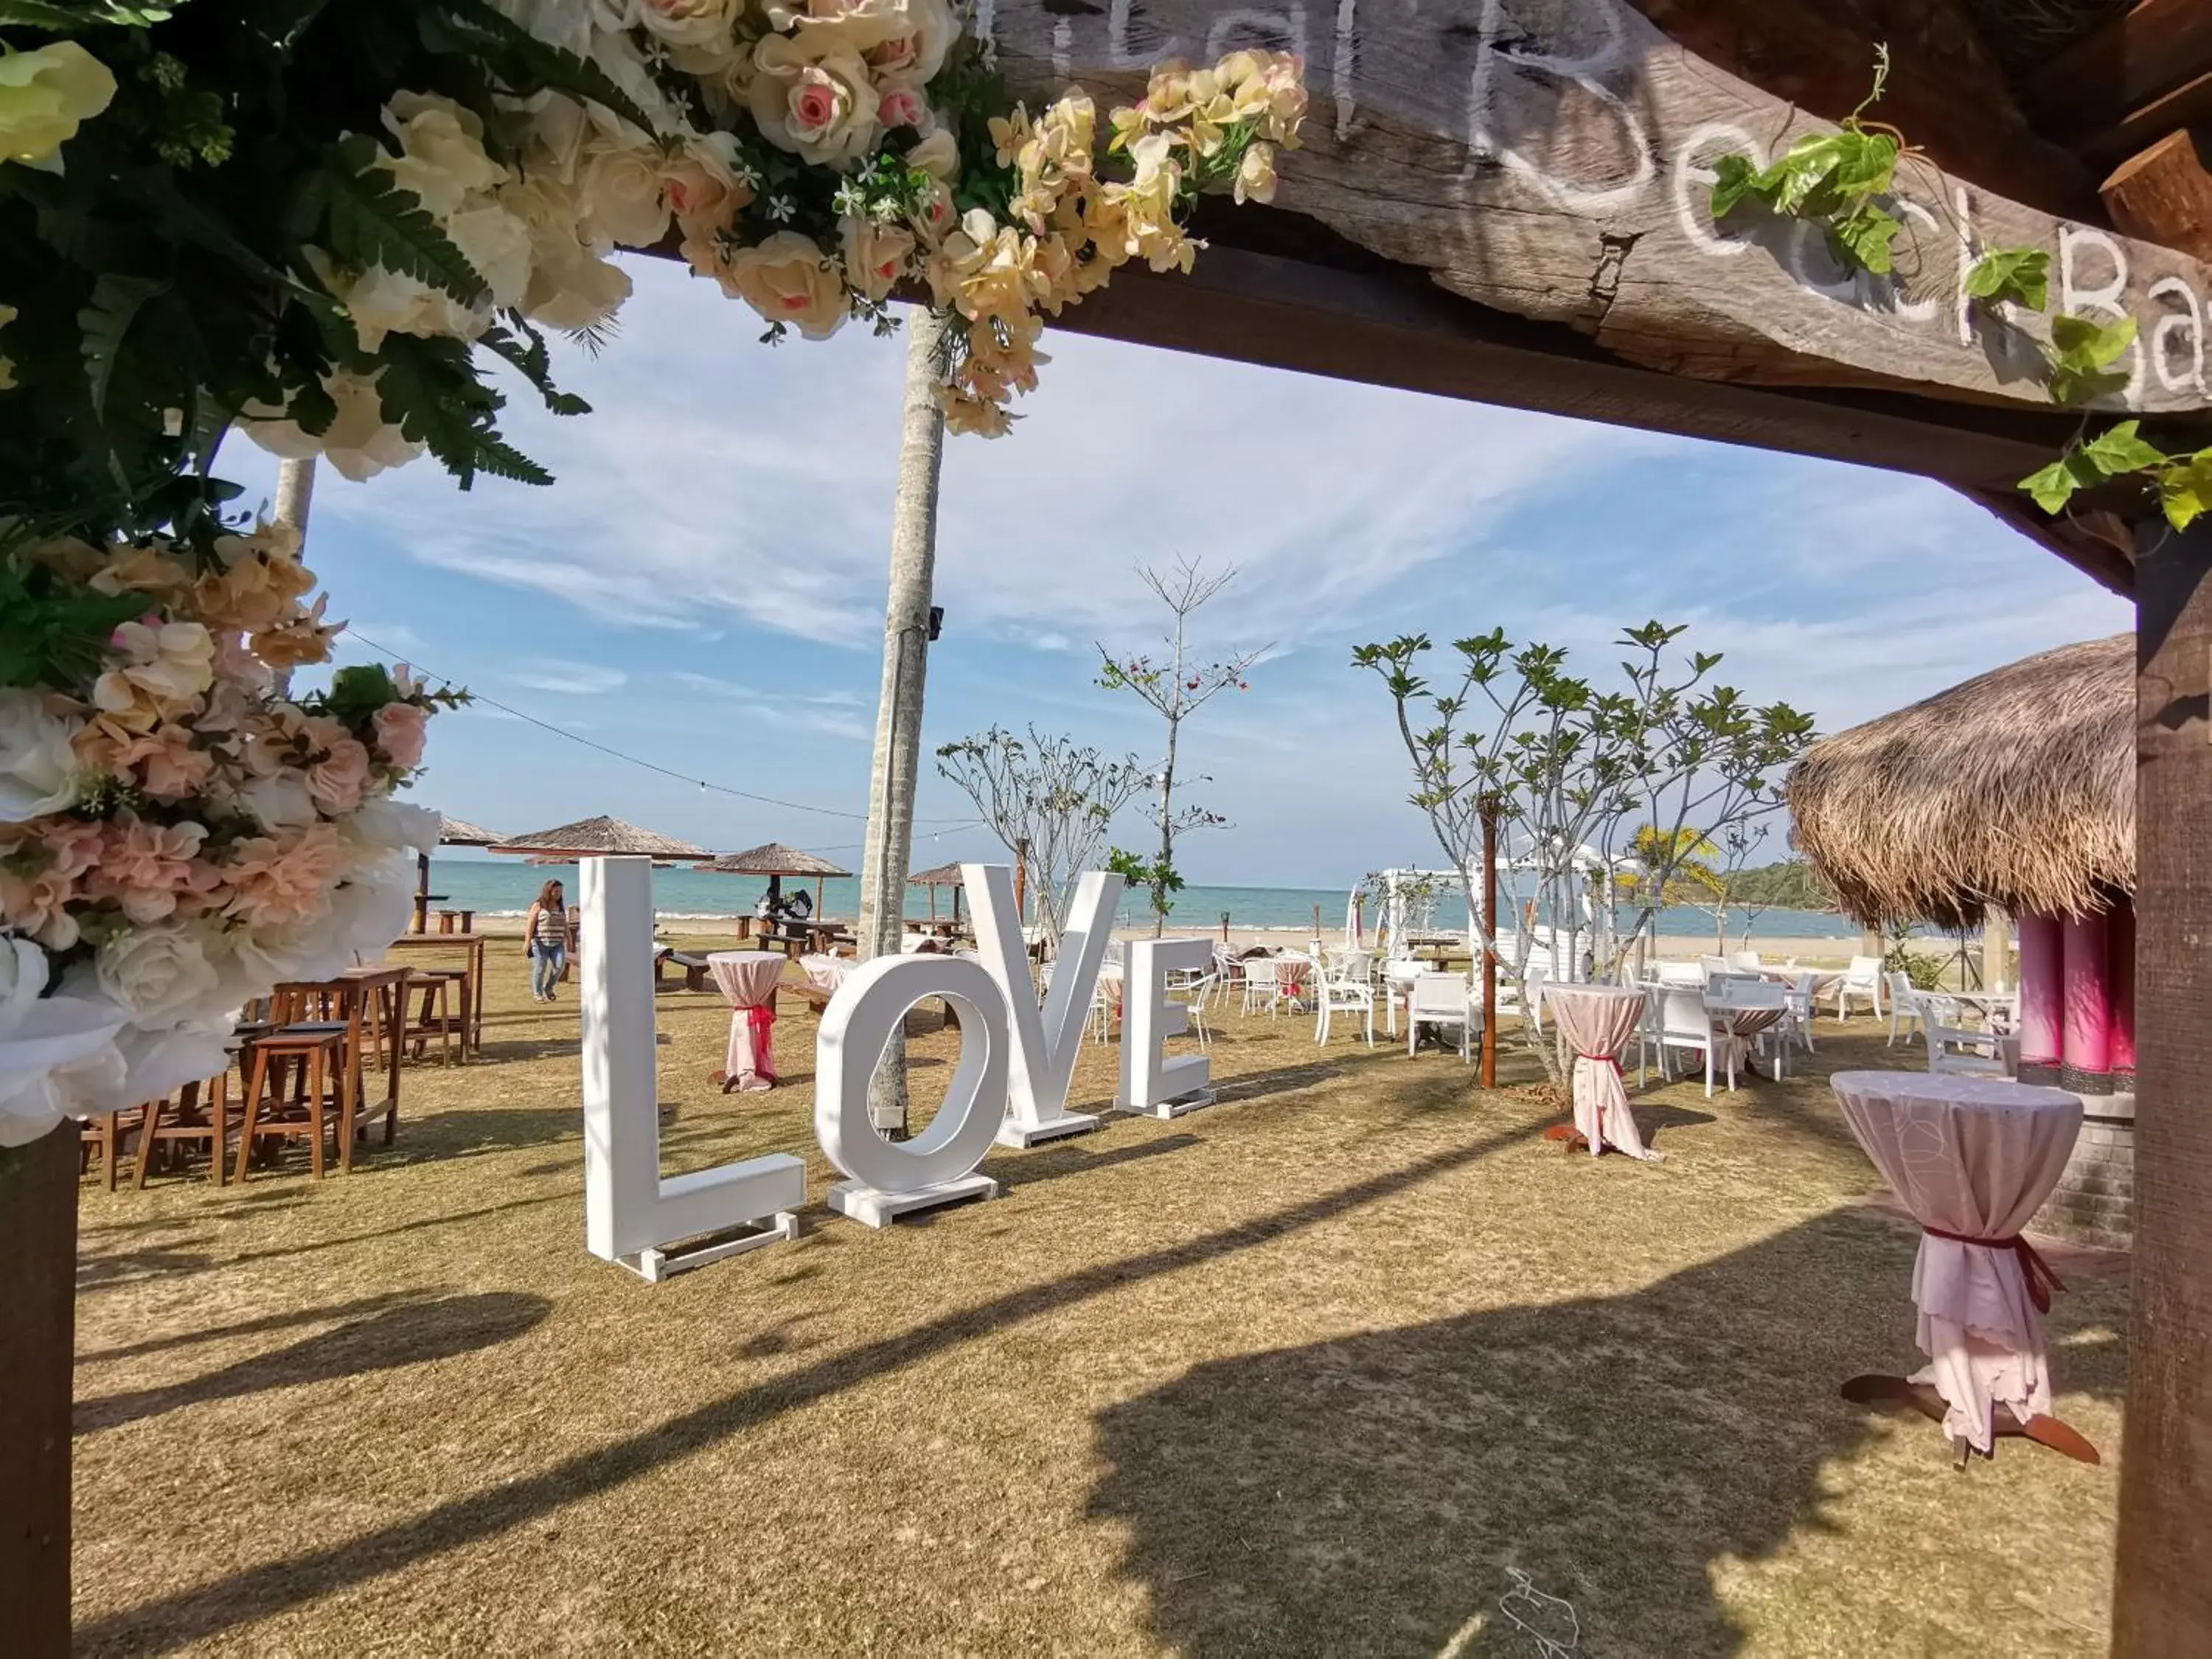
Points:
[(1861, 981), (1198, 993), (1682, 1021), (1344, 988), (1262, 985), (1679, 973), (1441, 1000), (1905, 1011), (1797, 997), (1746, 962), (1955, 1046), (1713, 967)]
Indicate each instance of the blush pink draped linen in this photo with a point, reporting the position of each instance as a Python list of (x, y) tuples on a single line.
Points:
[(748, 979), (1974, 1157), (1597, 1022)]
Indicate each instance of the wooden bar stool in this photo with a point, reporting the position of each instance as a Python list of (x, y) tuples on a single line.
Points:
[(437, 985), (316, 1056), (103, 1139), (186, 1119)]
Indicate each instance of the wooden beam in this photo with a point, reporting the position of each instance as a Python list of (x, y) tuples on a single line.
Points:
[(1946, 89), (1551, 159), (1389, 328), (38, 1314), (2164, 195), (2162, 1599), (2096, 83), (2188, 104)]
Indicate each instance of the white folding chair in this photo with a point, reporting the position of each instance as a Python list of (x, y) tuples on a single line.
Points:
[(1345, 987), (1904, 1007), (1954, 1045), (1861, 982), (1440, 999), (1262, 983)]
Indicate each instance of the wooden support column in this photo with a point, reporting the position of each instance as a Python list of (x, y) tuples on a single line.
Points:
[(38, 1312), (2164, 194), (2162, 1599), (1997, 948)]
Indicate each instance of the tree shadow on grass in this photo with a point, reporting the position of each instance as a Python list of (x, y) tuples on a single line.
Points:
[(192, 1616), (1367, 1495), (409, 1334)]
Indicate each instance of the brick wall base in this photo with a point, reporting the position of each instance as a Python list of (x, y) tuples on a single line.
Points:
[(2094, 1200)]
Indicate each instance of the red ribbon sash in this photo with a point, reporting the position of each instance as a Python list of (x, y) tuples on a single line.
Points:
[(763, 1018), (2041, 1280)]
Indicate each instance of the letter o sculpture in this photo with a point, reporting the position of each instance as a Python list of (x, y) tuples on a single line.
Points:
[(856, 1028)]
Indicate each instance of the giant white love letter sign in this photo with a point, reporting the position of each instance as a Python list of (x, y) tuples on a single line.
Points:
[(1046, 1040), (889, 1178), (630, 1214)]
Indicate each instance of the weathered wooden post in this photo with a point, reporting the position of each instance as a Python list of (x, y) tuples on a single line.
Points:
[(37, 1242), (2162, 1601)]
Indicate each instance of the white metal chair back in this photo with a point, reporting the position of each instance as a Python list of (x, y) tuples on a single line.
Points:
[(1679, 973), (1440, 999), (1746, 962)]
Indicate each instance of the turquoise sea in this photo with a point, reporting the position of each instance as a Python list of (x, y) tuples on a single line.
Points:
[(499, 888)]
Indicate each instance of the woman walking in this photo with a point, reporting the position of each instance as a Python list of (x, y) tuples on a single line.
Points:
[(545, 940)]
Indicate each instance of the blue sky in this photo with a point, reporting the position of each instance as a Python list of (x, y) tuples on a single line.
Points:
[(703, 587)]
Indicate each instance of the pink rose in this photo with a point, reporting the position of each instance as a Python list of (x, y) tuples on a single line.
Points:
[(335, 783), (902, 106), (400, 730)]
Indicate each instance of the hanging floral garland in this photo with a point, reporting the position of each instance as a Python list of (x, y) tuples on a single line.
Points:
[(319, 221)]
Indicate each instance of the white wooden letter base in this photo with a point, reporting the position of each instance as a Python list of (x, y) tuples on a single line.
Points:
[(1151, 1082), (630, 1214), (938, 1166)]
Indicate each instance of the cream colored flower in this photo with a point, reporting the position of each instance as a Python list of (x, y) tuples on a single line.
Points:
[(814, 97), (788, 279), (1256, 175), (620, 191), (938, 155), (916, 37), (46, 95), (983, 270), (702, 184), (689, 22), (382, 302), (441, 159), (497, 245), (163, 670), (161, 976), (932, 218), (142, 570), (875, 256), (571, 284), (966, 412), (359, 442), (38, 763)]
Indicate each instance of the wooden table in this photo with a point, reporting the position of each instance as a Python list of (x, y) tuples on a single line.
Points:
[(472, 947), (349, 995)]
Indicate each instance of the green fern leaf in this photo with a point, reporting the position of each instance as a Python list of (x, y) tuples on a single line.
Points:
[(369, 220), (105, 318)]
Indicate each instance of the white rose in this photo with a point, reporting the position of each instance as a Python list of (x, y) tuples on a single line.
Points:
[(620, 192), (58, 1047), (497, 244), (359, 442), (382, 302), (442, 158), (788, 279), (156, 1063), (160, 975), (814, 97), (915, 36), (938, 155), (371, 907), (22, 979), (386, 825), (278, 802), (875, 256), (689, 22), (37, 767)]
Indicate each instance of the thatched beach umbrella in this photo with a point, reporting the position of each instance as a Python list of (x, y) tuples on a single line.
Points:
[(600, 837), (2017, 788), (775, 861), (451, 832), (944, 875)]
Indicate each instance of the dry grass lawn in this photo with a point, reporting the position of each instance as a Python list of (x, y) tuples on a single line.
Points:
[(1305, 1373)]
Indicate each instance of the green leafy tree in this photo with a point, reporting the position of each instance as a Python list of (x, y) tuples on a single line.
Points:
[(1573, 774), (1175, 688), (1049, 800)]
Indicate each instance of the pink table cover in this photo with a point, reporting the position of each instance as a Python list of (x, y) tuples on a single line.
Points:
[(826, 972), (1742, 1023), (748, 979), (1976, 1157), (1597, 1021)]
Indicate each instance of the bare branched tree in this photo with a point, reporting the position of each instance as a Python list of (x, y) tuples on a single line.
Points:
[(1051, 803), (1176, 689)]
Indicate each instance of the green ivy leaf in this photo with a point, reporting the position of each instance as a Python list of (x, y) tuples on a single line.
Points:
[(2084, 344), (1734, 179), (2017, 275), (2185, 489), (1863, 237), (2121, 450)]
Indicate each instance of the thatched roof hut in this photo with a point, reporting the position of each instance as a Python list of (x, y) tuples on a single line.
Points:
[(944, 875), (459, 832), (601, 837), (772, 860), (2016, 788)]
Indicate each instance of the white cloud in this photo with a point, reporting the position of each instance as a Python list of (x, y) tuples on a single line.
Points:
[(830, 714), (568, 679)]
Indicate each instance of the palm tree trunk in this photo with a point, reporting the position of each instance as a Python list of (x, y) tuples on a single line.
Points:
[(296, 489), (897, 767)]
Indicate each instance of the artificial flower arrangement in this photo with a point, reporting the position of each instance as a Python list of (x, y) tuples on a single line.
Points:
[(319, 221), (178, 833)]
